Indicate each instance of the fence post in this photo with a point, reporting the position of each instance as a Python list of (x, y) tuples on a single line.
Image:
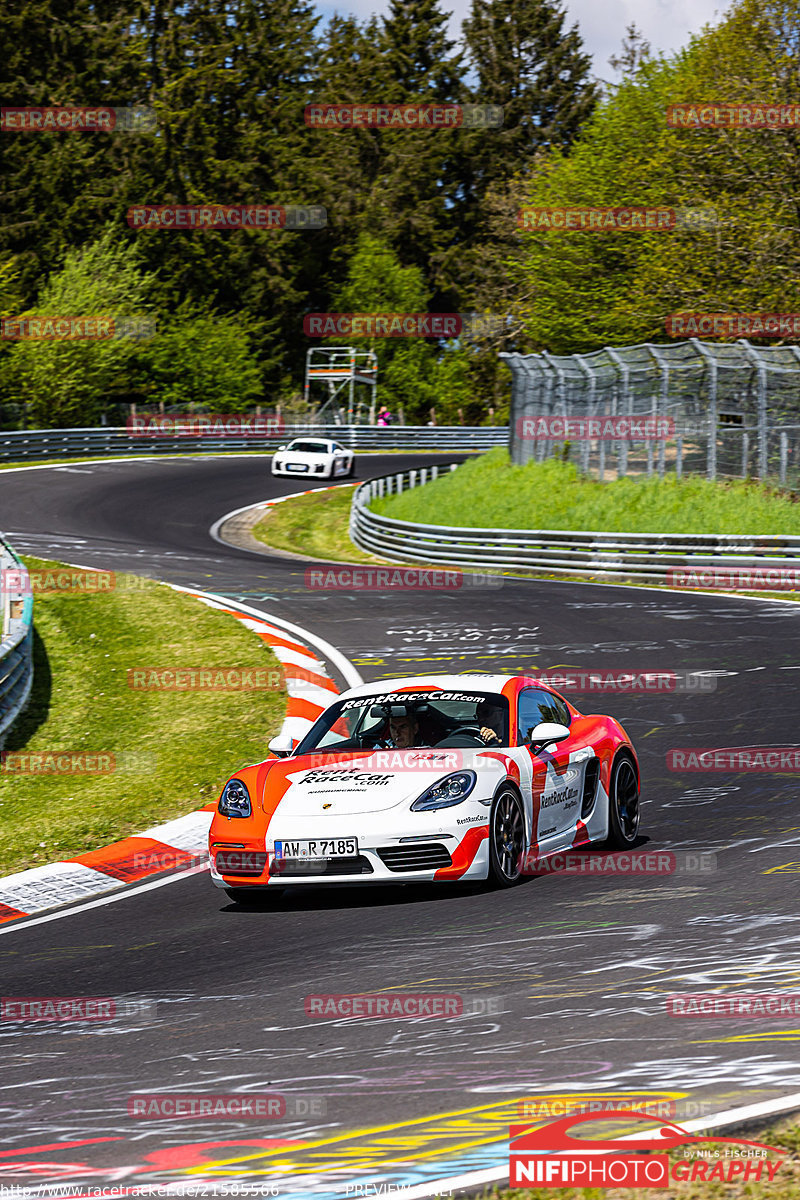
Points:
[(784, 438), (713, 370), (679, 458), (761, 401), (745, 453), (586, 444), (624, 373)]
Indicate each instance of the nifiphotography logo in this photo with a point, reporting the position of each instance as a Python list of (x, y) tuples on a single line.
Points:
[(552, 1156)]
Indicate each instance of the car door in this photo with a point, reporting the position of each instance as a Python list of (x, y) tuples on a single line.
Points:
[(557, 773)]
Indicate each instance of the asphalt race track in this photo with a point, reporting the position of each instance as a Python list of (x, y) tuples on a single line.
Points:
[(570, 974)]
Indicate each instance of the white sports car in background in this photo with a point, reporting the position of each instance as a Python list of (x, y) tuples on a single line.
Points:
[(439, 777), (318, 457)]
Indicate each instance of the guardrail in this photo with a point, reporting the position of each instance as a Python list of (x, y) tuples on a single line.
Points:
[(20, 445), (16, 646), (647, 557)]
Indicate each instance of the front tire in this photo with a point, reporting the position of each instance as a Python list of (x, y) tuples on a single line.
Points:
[(506, 840), (623, 804)]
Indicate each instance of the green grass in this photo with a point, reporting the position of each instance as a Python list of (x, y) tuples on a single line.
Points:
[(316, 525), (490, 492), (84, 646)]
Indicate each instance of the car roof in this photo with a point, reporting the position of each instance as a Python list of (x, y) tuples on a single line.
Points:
[(449, 683)]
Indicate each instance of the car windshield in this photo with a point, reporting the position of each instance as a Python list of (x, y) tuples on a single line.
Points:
[(438, 718), (309, 447)]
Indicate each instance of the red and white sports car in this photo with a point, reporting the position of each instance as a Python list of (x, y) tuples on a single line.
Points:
[(439, 777)]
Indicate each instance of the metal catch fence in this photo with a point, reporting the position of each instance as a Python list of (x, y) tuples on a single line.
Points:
[(735, 408)]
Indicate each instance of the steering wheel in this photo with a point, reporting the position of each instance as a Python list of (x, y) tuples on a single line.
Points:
[(454, 739)]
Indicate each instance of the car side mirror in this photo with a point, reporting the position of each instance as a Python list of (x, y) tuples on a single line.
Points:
[(280, 448), (282, 745), (545, 734)]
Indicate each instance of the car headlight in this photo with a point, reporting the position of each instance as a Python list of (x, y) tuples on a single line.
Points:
[(235, 800), (448, 791)]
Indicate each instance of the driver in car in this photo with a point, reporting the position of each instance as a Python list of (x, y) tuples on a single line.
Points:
[(490, 718), (404, 731)]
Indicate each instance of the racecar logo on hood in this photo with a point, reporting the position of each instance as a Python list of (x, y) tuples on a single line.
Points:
[(351, 776)]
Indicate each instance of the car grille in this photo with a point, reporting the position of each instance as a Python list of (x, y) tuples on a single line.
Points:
[(241, 862), (420, 856), (357, 865)]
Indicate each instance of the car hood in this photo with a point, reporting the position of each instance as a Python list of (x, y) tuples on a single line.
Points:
[(366, 783)]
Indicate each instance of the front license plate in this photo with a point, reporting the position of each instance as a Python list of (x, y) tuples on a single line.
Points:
[(318, 848), (297, 466)]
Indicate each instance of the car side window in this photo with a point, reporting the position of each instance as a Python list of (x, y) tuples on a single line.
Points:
[(537, 707)]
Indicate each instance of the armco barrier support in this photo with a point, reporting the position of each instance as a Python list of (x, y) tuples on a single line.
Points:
[(16, 646), (34, 444), (646, 557)]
